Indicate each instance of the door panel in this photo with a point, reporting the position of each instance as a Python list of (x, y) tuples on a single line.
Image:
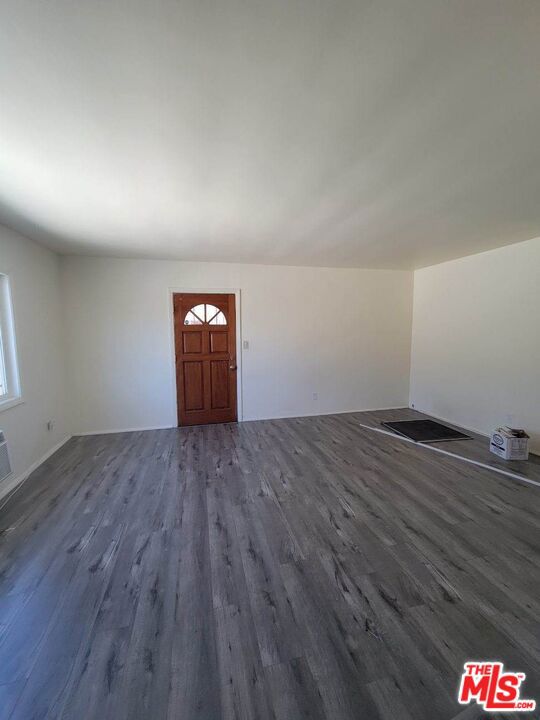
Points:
[(219, 387), (193, 386), (205, 340), (192, 342), (218, 342)]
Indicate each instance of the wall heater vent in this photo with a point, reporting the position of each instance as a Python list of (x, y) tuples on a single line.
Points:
[(5, 466)]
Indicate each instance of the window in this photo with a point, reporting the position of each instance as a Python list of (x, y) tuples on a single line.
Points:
[(3, 378), (201, 314), (9, 376)]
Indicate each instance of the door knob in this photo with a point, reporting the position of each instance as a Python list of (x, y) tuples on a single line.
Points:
[(232, 367)]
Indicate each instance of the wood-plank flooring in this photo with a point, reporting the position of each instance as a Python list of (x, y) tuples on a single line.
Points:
[(476, 449), (287, 569)]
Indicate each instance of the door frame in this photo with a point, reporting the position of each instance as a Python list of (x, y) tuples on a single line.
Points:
[(207, 291)]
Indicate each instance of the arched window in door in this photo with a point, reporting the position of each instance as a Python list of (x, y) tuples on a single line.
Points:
[(205, 315)]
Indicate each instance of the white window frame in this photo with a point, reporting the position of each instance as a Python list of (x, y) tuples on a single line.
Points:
[(8, 347)]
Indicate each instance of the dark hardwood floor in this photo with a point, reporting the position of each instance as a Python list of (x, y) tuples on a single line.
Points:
[(288, 569)]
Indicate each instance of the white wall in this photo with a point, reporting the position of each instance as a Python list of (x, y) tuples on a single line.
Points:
[(34, 275), (476, 340), (344, 334)]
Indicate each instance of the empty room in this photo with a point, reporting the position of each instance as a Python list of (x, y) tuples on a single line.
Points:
[(269, 359)]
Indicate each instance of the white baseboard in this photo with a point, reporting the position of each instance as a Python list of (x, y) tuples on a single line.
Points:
[(245, 419), (322, 414), (123, 430), (11, 483), (451, 422), (534, 451)]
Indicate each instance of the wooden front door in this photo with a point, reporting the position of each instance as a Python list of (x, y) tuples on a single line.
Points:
[(205, 343)]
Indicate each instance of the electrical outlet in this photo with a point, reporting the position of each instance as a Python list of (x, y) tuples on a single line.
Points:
[(50, 425), (315, 396), (245, 345)]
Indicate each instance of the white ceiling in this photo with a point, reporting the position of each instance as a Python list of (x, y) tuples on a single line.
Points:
[(369, 133)]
